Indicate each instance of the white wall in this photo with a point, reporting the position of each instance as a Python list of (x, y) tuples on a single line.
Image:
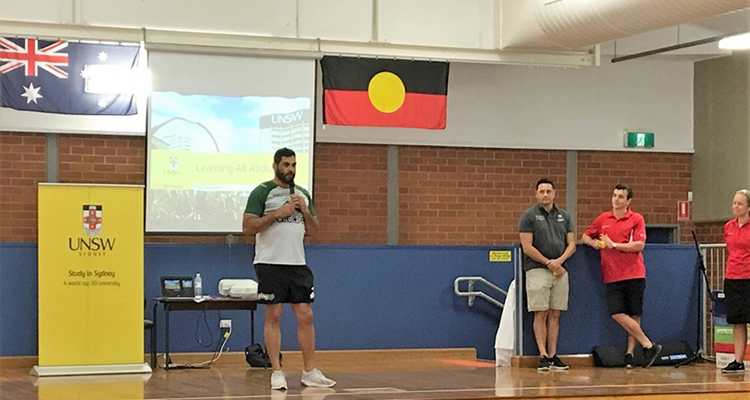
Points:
[(449, 23), (527, 107)]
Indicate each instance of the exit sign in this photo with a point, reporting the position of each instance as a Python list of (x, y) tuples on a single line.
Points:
[(638, 139)]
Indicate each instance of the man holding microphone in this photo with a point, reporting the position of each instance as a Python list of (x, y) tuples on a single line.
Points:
[(279, 217)]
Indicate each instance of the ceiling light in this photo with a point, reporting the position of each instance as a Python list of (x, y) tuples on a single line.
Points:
[(736, 42)]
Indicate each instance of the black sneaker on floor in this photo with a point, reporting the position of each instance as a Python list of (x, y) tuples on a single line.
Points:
[(629, 361), (544, 364), (557, 364), (651, 354), (733, 367)]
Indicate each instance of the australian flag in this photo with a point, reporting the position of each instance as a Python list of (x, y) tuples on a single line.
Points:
[(68, 77)]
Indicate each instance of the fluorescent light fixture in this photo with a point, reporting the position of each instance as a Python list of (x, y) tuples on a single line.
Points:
[(736, 42)]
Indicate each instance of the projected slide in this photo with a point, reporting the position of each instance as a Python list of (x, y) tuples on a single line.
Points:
[(208, 152)]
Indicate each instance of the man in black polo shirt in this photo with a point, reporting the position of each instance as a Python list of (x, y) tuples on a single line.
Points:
[(547, 240)]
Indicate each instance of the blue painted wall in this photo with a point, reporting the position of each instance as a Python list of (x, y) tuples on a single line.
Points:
[(18, 299), (670, 310), (367, 297), (379, 297)]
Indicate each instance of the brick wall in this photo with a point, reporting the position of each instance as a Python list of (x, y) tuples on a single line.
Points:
[(102, 159), (468, 196), (22, 167), (710, 232), (351, 193), (658, 180), (448, 196)]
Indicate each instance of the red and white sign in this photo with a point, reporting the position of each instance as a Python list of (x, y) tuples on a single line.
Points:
[(683, 211)]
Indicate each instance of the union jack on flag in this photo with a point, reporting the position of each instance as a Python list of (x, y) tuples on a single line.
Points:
[(64, 77), (32, 57)]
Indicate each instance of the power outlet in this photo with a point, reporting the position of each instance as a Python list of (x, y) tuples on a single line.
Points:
[(225, 324)]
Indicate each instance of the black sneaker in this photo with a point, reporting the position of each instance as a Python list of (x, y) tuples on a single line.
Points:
[(629, 361), (733, 367), (651, 354), (557, 364), (544, 364)]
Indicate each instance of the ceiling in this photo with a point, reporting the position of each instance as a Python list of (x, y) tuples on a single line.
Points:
[(727, 24)]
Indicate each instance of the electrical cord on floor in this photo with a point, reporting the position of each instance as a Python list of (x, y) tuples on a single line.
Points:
[(217, 351), (205, 364), (217, 354)]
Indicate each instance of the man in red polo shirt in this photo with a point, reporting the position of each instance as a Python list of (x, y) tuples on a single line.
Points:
[(620, 235)]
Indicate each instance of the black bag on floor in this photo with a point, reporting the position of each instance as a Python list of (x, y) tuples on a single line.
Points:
[(672, 353), (609, 356), (257, 357)]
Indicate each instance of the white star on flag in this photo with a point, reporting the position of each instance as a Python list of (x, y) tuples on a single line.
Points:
[(102, 56), (31, 93), (102, 103)]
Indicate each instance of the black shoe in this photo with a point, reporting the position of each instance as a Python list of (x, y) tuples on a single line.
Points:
[(651, 354), (629, 361), (733, 367), (557, 364), (544, 364)]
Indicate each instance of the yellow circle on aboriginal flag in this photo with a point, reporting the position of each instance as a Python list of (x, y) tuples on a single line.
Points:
[(386, 92)]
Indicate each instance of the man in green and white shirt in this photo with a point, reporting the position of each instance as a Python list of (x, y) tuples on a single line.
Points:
[(279, 214)]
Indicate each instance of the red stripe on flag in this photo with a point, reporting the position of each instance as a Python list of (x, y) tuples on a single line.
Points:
[(349, 107)]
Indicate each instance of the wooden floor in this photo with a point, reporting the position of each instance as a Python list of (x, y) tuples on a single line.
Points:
[(379, 376)]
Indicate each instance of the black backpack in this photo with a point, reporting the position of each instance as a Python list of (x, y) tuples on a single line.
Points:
[(673, 353), (257, 357)]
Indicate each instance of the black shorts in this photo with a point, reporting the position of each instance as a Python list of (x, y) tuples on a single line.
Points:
[(284, 283), (737, 300), (626, 297)]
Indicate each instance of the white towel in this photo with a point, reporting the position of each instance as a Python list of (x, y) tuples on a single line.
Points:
[(506, 331)]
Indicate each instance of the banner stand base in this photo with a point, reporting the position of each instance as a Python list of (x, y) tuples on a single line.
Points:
[(68, 370)]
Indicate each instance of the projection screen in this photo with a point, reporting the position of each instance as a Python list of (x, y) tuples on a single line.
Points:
[(214, 125)]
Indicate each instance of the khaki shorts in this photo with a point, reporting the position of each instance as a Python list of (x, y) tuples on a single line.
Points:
[(545, 292)]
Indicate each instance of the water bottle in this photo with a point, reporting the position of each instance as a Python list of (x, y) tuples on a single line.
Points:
[(198, 285)]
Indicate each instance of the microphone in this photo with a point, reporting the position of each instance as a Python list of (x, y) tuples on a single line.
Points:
[(291, 191)]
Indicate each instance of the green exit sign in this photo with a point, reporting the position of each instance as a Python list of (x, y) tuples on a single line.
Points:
[(639, 139)]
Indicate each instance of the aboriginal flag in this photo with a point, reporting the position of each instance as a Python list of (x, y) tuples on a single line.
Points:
[(393, 93)]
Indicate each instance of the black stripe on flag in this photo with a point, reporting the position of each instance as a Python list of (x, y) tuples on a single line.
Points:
[(349, 73)]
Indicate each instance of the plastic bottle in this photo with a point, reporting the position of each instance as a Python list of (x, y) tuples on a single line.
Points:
[(198, 285)]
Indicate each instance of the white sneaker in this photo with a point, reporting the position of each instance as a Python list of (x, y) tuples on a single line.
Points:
[(315, 378), (278, 380)]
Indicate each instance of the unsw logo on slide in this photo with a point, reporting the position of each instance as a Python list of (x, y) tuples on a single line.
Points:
[(93, 245)]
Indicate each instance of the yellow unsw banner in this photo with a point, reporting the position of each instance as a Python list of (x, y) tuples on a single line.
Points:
[(90, 279)]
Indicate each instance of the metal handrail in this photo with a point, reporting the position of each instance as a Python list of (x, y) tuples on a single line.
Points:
[(713, 246), (472, 294)]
